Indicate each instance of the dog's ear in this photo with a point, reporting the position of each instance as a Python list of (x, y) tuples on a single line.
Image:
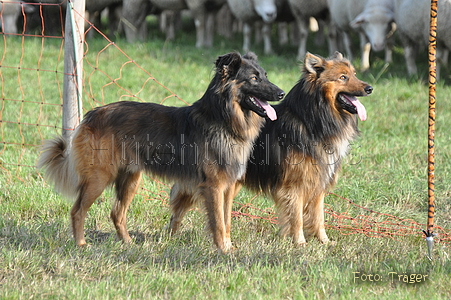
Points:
[(228, 64), (314, 64)]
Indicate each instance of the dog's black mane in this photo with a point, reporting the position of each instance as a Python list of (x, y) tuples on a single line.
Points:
[(214, 108), (308, 117), (306, 120)]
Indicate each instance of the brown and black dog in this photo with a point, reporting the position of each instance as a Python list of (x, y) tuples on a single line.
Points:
[(203, 148), (296, 160)]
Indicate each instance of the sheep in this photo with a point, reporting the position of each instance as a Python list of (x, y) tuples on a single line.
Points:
[(250, 11), (94, 9), (203, 11), (134, 13), (412, 20), (303, 10), (10, 10), (373, 19)]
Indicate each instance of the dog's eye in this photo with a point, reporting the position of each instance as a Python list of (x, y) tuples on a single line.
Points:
[(254, 78), (343, 77)]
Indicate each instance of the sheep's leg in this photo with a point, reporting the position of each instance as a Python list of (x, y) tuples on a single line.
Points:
[(303, 35), (365, 47), (348, 45), (266, 31), (247, 31), (409, 54)]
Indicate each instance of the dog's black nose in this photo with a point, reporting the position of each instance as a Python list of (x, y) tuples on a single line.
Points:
[(281, 95), (368, 89)]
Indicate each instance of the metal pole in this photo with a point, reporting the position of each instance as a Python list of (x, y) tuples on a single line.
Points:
[(73, 66)]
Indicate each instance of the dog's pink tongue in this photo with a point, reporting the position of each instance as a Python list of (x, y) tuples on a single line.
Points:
[(361, 111), (270, 111)]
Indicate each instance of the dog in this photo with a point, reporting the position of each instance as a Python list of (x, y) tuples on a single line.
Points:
[(296, 160), (203, 147)]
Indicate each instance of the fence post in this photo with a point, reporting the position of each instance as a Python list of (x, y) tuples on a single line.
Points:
[(429, 232), (73, 66)]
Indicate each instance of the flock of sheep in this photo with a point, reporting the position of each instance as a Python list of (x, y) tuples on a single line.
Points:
[(375, 21)]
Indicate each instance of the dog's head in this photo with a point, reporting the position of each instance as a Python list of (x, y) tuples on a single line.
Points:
[(337, 80), (247, 83)]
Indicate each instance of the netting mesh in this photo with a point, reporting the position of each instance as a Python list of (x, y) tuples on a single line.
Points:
[(31, 111)]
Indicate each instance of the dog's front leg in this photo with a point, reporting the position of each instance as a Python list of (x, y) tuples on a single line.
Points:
[(213, 194), (296, 219), (320, 230), (290, 204), (229, 195)]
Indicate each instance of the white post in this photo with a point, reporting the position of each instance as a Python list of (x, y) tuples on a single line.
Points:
[(73, 66)]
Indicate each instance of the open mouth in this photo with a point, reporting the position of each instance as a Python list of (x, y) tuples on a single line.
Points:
[(352, 105), (261, 108)]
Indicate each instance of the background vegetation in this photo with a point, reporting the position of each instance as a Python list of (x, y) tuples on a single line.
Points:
[(386, 172)]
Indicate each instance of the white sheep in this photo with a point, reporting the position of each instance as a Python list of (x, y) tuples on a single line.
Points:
[(374, 21), (412, 20), (9, 12), (303, 10), (203, 11), (250, 11)]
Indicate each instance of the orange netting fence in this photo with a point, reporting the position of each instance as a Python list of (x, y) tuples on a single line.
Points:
[(32, 74)]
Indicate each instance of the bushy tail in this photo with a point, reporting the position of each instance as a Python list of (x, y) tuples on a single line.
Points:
[(59, 166)]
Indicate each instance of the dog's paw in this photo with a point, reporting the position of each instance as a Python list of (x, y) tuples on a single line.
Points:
[(324, 240), (301, 244), (330, 243), (226, 247)]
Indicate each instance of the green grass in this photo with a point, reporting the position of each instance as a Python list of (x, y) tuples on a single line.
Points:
[(385, 171)]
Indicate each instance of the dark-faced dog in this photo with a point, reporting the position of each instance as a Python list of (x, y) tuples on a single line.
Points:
[(203, 148)]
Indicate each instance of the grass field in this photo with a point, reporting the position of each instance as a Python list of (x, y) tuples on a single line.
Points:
[(385, 172)]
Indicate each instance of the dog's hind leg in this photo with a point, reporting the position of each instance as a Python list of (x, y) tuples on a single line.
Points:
[(89, 190), (126, 185), (181, 201)]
